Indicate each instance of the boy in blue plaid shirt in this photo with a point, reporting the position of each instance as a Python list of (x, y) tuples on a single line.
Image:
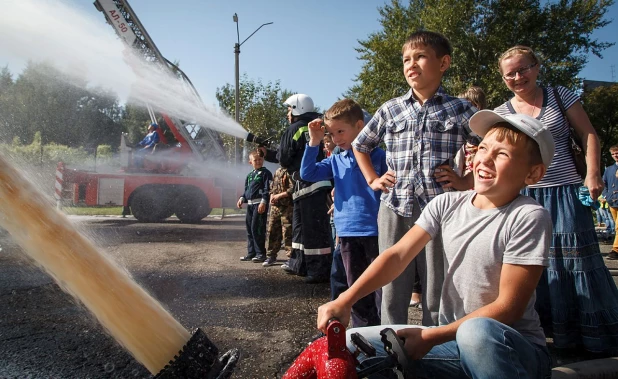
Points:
[(422, 131)]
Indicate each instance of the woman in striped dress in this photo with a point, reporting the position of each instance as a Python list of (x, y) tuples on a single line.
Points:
[(577, 299)]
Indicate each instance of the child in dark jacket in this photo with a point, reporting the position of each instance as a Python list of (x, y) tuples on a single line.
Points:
[(257, 197)]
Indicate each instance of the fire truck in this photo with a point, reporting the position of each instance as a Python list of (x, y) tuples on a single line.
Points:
[(172, 179)]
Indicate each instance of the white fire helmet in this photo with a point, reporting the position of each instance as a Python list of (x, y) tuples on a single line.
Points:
[(300, 104)]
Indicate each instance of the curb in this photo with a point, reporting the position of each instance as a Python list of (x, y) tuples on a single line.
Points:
[(605, 368)]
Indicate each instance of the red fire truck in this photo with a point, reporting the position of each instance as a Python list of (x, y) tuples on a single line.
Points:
[(171, 180)]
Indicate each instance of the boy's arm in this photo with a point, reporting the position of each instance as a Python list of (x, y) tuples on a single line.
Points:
[(242, 198), (388, 266), (376, 182), (313, 171), (268, 178), (310, 170), (517, 283), (448, 178), (289, 188)]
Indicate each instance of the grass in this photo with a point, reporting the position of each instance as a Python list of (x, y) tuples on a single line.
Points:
[(93, 211), (117, 211)]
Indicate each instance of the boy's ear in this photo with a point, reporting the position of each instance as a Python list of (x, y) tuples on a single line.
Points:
[(535, 174), (445, 62), (360, 124)]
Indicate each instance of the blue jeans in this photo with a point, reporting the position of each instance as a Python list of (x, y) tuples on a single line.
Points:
[(483, 348)]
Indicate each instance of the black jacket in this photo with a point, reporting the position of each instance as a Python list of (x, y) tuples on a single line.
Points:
[(293, 143), (257, 185)]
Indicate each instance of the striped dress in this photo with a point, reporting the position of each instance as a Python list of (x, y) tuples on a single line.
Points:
[(577, 299)]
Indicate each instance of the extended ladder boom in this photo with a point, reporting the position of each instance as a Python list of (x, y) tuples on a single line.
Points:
[(121, 16)]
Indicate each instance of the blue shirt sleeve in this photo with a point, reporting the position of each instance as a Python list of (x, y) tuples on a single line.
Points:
[(313, 171)]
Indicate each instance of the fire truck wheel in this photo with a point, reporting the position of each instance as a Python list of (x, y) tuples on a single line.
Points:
[(191, 205), (147, 205)]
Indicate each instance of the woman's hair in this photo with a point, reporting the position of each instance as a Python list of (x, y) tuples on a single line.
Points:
[(476, 96), (518, 50)]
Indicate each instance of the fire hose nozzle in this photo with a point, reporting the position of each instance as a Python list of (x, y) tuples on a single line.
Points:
[(258, 140), (199, 359)]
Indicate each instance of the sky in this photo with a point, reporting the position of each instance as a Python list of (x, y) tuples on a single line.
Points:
[(309, 48)]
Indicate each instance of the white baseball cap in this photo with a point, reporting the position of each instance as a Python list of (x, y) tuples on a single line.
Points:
[(482, 121)]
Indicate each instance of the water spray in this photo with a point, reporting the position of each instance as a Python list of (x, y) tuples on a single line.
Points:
[(132, 316)]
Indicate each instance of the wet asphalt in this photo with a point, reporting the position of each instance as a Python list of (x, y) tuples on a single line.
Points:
[(195, 272)]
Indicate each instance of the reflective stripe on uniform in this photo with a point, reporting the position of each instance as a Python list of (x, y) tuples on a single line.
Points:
[(300, 131), (254, 201), (320, 251), (314, 187), (297, 246)]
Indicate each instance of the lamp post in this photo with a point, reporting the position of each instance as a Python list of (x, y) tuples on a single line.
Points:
[(237, 46)]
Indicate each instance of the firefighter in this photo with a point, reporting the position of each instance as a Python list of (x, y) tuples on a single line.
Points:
[(311, 234)]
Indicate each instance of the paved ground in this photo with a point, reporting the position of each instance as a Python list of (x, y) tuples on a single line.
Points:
[(193, 270)]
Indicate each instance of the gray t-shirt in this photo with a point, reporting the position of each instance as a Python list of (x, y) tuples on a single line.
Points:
[(476, 244)]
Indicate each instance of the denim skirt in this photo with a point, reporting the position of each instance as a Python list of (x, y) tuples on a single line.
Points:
[(576, 298)]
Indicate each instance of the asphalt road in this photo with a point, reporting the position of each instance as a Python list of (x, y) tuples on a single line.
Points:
[(194, 271)]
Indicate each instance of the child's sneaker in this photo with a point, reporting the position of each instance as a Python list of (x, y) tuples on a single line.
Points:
[(270, 261), (258, 259), (613, 255), (246, 258)]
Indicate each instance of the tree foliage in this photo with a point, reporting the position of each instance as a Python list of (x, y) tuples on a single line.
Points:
[(601, 104), (261, 108), (479, 31), (61, 108)]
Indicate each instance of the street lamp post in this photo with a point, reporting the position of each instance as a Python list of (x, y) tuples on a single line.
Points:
[(237, 46)]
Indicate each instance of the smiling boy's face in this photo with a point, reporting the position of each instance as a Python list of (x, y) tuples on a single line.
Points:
[(256, 161), (343, 133), (501, 169), (614, 154)]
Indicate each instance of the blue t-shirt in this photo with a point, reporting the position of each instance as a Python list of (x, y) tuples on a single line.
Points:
[(356, 204)]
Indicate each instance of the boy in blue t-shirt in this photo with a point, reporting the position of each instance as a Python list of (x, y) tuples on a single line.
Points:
[(356, 204)]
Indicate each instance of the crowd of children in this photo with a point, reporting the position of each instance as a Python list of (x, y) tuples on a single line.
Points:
[(465, 228)]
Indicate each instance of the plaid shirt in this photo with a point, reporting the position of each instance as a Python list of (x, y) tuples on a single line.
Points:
[(418, 139)]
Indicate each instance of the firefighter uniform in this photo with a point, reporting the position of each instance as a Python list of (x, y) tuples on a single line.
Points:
[(311, 234), (280, 217)]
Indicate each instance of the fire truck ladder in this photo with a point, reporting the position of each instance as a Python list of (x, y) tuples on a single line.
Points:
[(120, 15)]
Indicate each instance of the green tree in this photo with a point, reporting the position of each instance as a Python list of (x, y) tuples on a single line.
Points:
[(134, 121), (61, 107), (601, 104), (261, 108), (480, 30), (6, 104)]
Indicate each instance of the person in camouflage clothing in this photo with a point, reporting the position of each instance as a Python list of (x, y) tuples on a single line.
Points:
[(280, 217)]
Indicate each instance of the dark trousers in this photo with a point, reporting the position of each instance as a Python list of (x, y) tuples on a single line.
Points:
[(338, 280), (256, 231), (357, 254), (311, 237)]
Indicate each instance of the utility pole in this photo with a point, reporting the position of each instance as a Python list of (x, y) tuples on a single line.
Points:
[(237, 46)]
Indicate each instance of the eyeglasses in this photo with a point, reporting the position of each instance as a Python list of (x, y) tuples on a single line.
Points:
[(521, 72)]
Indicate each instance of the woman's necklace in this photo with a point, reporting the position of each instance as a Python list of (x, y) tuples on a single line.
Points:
[(536, 92)]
